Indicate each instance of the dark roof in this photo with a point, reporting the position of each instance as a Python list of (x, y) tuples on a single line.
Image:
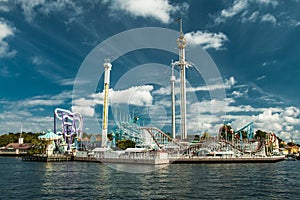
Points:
[(24, 146)]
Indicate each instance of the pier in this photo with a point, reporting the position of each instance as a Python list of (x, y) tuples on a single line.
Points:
[(228, 160), (45, 158)]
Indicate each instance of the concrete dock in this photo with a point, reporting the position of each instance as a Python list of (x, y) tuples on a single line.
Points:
[(227, 160), (45, 158)]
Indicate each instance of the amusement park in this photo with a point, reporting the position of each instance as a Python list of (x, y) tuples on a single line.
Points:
[(150, 144)]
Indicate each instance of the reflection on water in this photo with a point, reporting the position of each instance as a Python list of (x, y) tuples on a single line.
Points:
[(82, 180), (133, 168)]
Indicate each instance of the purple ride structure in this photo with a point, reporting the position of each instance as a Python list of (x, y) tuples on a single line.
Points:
[(71, 129)]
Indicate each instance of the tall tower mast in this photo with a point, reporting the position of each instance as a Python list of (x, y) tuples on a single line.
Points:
[(107, 67), (181, 42), (172, 79)]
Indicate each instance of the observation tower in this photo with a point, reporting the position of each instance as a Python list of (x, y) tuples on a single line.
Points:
[(107, 67)]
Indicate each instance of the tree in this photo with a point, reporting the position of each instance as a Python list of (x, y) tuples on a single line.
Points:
[(226, 132), (205, 136), (110, 136), (196, 139), (124, 144), (260, 134)]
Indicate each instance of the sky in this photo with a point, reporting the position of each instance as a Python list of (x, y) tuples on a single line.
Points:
[(244, 57)]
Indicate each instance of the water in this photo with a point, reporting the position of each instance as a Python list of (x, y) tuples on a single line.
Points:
[(81, 180)]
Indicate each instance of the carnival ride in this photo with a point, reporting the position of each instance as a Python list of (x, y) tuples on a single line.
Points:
[(71, 129), (248, 129), (129, 131), (144, 136), (50, 139), (241, 141)]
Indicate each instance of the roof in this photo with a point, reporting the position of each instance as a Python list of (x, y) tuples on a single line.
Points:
[(98, 149), (49, 136), (137, 150), (24, 146)]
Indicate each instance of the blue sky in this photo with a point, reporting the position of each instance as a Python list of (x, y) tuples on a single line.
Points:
[(253, 43)]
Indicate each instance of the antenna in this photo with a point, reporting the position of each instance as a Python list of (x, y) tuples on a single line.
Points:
[(21, 131), (106, 60), (179, 20)]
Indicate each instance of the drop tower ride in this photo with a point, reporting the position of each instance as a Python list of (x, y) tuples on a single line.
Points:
[(107, 67), (181, 43)]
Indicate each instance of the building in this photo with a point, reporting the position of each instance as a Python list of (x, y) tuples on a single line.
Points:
[(19, 148)]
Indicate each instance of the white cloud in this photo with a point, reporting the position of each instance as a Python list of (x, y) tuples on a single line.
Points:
[(228, 83), (206, 40), (252, 18), (252, 11), (207, 115), (157, 9), (289, 128), (32, 7), (61, 5), (28, 8), (4, 6), (86, 107), (37, 60), (259, 17), (136, 96), (268, 116), (139, 96), (274, 3), (13, 121), (291, 111), (5, 31), (268, 18), (237, 7), (44, 100), (237, 94), (261, 77), (87, 111), (29, 113), (5, 72), (291, 120)]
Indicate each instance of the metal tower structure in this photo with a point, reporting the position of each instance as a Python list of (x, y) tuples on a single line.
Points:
[(181, 43), (172, 79), (107, 67)]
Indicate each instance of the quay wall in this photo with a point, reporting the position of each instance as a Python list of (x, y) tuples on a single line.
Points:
[(227, 160)]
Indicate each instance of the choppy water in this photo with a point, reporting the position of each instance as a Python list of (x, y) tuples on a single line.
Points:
[(81, 180)]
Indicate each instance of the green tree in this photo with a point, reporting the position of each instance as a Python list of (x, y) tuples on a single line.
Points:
[(226, 132), (260, 134), (205, 136), (196, 139), (109, 136), (124, 144)]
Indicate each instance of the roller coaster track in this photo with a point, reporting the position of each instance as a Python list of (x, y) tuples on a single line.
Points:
[(259, 148), (131, 132), (161, 138), (235, 146)]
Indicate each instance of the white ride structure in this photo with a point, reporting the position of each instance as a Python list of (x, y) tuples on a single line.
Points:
[(182, 63), (107, 67)]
